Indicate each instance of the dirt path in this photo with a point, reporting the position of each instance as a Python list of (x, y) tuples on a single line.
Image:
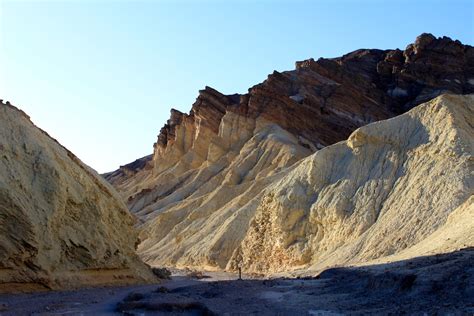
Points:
[(433, 285), (92, 301)]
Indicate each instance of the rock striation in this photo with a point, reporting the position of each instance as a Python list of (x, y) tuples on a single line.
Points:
[(395, 187), (200, 194), (61, 224), (392, 185)]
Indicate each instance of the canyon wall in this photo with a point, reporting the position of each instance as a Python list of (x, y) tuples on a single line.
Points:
[(200, 197), (390, 186), (61, 224)]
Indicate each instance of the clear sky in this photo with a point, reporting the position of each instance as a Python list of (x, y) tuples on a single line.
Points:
[(101, 76)]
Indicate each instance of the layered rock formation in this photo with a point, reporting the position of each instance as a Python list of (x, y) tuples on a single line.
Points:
[(387, 188), (61, 224), (212, 168), (393, 186)]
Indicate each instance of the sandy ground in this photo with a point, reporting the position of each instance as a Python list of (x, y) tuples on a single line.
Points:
[(434, 285)]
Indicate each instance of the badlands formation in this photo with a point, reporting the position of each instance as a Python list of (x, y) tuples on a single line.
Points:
[(285, 178), (61, 224), (390, 186)]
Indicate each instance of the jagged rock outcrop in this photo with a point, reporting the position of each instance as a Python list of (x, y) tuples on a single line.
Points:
[(61, 224), (391, 186), (387, 188), (211, 167)]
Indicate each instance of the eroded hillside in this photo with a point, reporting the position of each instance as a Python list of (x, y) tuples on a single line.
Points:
[(61, 224), (201, 197), (387, 188)]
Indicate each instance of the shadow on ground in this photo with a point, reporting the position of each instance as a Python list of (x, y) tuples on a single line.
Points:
[(439, 284), (432, 285)]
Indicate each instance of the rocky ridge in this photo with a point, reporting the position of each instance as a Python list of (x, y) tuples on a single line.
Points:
[(199, 193), (61, 224), (384, 190)]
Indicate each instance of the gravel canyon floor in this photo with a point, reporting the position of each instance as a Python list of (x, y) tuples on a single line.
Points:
[(441, 284)]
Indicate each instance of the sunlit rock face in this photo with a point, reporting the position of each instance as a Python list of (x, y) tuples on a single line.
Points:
[(390, 186), (199, 192), (61, 224)]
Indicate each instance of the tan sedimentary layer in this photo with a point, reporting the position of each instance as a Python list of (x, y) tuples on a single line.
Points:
[(197, 194), (202, 222), (390, 187), (387, 188), (61, 224)]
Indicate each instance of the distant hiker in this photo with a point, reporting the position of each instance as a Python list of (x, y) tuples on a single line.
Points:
[(240, 270)]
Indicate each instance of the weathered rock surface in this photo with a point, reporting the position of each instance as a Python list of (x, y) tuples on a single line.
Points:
[(396, 184), (61, 224), (211, 168), (387, 188)]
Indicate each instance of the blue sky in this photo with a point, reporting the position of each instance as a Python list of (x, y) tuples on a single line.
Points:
[(101, 76)]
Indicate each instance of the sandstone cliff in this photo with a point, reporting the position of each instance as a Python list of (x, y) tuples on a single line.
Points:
[(61, 224), (198, 194)]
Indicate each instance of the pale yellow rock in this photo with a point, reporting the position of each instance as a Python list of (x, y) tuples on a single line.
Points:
[(457, 233), (389, 188), (197, 216), (246, 195), (61, 224)]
